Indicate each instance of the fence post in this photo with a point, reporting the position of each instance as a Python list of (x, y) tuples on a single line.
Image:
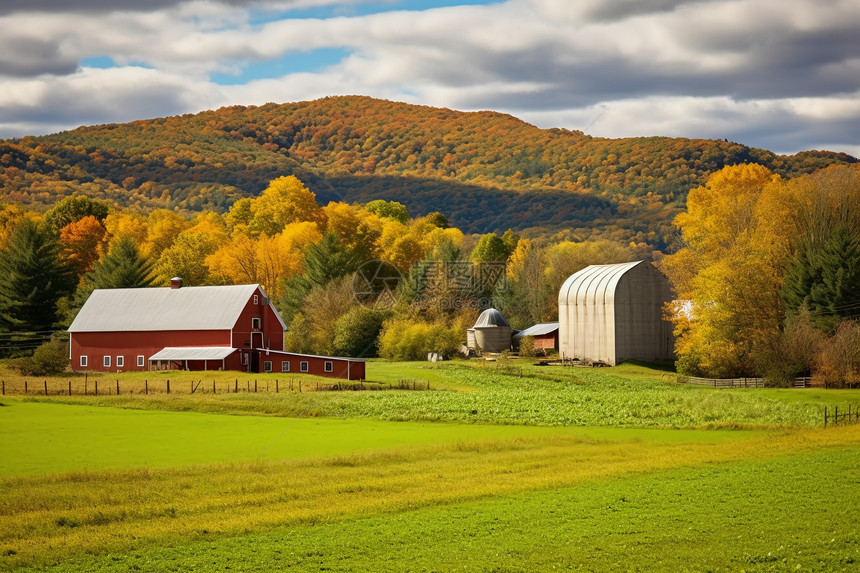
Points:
[(213, 386), (146, 387), (300, 385), (825, 416), (25, 386), (96, 382), (70, 387), (255, 386), (46, 387), (168, 385), (276, 385), (236, 391), (117, 387)]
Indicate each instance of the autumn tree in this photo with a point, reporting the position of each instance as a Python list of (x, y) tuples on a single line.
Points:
[(186, 258), (80, 244), (286, 200), (389, 210), (71, 209)]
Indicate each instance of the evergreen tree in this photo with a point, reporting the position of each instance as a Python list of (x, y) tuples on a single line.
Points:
[(324, 261), (122, 267), (825, 279), (32, 279)]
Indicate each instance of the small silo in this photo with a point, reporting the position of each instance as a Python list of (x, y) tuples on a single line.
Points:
[(491, 332)]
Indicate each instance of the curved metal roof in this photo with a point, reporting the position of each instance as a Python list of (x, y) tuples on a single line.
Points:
[(491, 317), (594, 283)]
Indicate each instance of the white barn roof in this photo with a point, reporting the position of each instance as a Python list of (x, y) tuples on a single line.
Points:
[(149, 309), (193, 353)]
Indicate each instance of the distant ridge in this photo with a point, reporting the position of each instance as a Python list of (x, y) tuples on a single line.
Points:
[(486, 171)]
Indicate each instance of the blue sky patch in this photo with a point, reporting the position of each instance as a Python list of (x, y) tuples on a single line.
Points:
[(291, 63), (102, 62), (347, 9)]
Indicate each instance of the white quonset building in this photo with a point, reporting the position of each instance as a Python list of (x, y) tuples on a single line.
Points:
[(614, 313)]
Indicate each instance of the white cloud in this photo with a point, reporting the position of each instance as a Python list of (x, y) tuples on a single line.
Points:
[(779, 75)]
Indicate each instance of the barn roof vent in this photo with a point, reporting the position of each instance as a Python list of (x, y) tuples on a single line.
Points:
[(176, 282)]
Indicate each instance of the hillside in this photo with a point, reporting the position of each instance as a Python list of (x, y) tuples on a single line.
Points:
[(486, 171)]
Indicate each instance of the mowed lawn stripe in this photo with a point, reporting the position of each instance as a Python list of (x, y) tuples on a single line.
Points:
[(48, 518), (41, 437)]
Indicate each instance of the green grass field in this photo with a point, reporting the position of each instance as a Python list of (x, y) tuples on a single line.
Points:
[(498, 468)]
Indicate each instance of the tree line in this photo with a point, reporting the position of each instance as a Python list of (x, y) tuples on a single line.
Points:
[(767, 270)]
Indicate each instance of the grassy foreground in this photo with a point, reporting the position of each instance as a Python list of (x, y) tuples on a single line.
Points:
[(498, 468), (53, 518), (781, 514)]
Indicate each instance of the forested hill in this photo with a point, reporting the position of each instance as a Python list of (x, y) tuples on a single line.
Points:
[(486, 171)]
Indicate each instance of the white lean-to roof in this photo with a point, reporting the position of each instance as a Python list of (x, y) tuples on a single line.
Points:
[(538, 329), (193, 353), (149, 309)]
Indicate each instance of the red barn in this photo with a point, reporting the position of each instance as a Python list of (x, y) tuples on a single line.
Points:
[(545, 336), (193, 328)]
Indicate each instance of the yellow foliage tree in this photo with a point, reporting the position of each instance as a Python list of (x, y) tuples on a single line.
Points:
[(162, 228), (286, 200), (355, 226)]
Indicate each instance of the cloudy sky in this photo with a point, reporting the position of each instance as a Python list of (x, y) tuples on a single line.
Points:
[(778, 74)]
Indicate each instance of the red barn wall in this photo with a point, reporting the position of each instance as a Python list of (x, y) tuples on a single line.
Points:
[(96, 345), (269, 335), (341, 367)]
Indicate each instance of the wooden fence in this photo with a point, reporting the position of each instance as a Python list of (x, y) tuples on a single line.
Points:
[(95, 387), (804, 382)]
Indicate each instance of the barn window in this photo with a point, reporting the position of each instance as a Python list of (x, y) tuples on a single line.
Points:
[(329, 366), (285, 366), (141, 360), (120, 361), (267, 366), (303, 366), (255, 323), (106, 362), (84, 361), (256, 299)]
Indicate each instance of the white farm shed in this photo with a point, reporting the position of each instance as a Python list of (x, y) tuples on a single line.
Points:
[(614, 313)]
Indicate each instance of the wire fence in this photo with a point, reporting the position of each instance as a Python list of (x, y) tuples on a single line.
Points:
[(116, 387), (849, 415)]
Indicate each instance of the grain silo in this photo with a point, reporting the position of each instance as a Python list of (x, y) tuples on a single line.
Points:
[(613, 313), (491, 332)]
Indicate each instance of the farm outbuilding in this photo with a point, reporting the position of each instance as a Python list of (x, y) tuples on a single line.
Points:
[(234, 327), (545, 336), (613, 313), (491, 332)]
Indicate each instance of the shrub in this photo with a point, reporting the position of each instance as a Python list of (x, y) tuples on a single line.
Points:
[(527, 346), (403, 339), (50, 358), (357, 331)]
